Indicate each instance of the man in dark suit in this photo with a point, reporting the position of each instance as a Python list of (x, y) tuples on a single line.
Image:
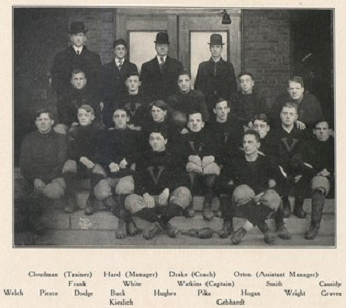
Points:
[(113, 79), (159, 75), (216, 77), (77, 56)]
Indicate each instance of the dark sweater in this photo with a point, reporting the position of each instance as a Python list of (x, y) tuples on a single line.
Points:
[(83, 143), (115, 145), (138, 107), (227, 136), (286, 145), (254, 174), (42, 156), (246, 106), (200, 144), (156, 171), (318, 154), (192, 101), (72, 99)]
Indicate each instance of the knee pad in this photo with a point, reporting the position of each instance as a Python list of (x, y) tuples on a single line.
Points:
[(270, 199), (242, 194), (70, 166), (181, 196), (125, 186), (193, 168), (212, 168), (54, 190), (320, 182), (134, 203), (103, 189)]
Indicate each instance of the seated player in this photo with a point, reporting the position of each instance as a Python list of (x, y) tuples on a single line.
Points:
[(186, 100), (135, 101), (198, 151), (43, 154), (80, 154), (309, 108), (225, 129), (287, 138), (254, 182), (271, 149), (160, 187), (77, 95), (246, 103), (116, 154), (314, 162)]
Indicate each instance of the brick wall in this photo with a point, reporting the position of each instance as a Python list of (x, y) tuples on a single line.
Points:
[(101, 29), (266, 49)]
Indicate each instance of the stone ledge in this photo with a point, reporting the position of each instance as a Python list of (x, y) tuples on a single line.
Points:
[(56, 219), (106, 239), (102, 220)]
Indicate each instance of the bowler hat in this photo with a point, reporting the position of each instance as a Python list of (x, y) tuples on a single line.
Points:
[(162, 38), (216, 39), (77, 27), (119, 42)]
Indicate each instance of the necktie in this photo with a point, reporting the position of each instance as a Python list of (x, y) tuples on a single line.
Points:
[(78, 52), (162, 62), (120, 64)]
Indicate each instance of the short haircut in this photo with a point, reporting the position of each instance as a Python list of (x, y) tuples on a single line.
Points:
[(323, 120), (44, 110), (159, 104), (296, 79), (261, 117), (194, 112), (127, 110), (245, 73), (221, 99), (289, 105), (132, 73), (184, 72), (77, 71), (158, 131), (254, 133), (87, 108)]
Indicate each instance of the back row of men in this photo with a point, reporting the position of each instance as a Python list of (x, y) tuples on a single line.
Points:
[(79, 78), (153, 173)]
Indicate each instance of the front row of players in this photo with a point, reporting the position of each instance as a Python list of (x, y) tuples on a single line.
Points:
[(156, 182)]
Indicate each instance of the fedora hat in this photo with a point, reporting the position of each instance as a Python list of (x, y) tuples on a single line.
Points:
[(77, 27), (216, 39), (162, 38)]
